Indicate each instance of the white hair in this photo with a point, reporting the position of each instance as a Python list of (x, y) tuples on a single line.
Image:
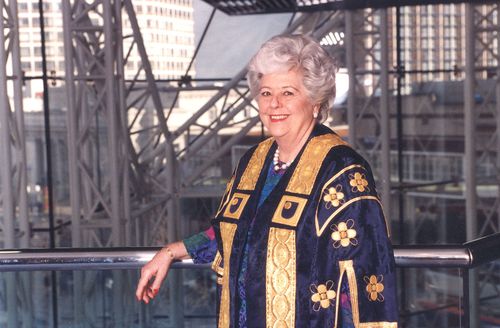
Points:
[(283, 53)]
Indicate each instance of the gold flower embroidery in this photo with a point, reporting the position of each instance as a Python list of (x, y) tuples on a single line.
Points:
[(343, 234), (374, 287), (334, 196), (358, 182), (322, 295)]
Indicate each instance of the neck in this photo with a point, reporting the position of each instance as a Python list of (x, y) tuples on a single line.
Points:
[(290, 147)]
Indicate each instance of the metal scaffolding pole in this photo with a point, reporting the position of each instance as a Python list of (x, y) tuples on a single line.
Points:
[(367, 51), (497, 111), (385, 129), (351, 68), (8, 207), (25, 279), (73, 153), (13, 176), (470, 153)]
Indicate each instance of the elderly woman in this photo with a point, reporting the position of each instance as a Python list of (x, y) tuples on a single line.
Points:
[(299, 239)]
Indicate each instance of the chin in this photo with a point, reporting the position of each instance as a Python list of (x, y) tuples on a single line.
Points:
[(277, 133)]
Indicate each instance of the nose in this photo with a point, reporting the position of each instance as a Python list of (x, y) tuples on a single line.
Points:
[(275, 103)]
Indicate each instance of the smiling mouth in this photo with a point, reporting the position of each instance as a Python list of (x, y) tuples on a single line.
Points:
[(277, 118)]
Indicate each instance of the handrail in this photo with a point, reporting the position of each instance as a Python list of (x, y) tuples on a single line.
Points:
[(468, 255)]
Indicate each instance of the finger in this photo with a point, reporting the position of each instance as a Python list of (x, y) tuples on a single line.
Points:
[(141, 286), (150, 292), (160, 276)]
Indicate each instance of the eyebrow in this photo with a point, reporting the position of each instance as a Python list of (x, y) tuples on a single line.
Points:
[(284, 87)]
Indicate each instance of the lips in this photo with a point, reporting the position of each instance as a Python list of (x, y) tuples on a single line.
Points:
[(278, 118)]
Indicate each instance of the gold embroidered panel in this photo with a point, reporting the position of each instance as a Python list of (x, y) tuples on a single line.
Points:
[(289, 210), (225, 198), (216, 264), (252, 171), (307, 169), (236, 205), (227, 231), (281, 278)]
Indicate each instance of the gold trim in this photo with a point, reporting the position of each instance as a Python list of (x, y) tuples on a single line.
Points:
[(339, 173), (339, 285), (281, 278), (239, 200), (347, 267), (216, 264), (353, 290), (381, 324), (302, 180), (225, 198), (286, 204), (227, 231), (319, 231), (254, 167)]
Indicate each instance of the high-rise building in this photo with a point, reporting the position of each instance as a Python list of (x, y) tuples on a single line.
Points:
[(167, 27), (433, 42)]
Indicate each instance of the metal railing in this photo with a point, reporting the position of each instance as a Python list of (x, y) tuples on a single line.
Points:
[(466, 256), (462, 257)]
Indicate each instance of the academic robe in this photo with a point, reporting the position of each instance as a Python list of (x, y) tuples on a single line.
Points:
[(321, 228)]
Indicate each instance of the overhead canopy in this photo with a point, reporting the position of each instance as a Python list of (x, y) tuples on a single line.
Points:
[(248, 7)]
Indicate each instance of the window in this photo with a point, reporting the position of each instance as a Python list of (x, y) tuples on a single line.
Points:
[(26, 66), (25, 51)]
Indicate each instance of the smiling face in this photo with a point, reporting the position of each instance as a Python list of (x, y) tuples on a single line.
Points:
[(284, 107)]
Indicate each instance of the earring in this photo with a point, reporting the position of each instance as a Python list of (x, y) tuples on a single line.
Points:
[(315, 114)]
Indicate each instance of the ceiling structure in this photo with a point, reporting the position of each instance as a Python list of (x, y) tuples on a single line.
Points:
[(251, 7)]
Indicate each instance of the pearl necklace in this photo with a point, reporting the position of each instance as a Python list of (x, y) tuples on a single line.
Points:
[(276, 163)]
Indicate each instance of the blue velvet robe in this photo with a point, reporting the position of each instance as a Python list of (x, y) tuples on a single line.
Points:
[(322, 227)]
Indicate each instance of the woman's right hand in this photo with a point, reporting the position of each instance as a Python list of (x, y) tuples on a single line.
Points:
[(153, 274)]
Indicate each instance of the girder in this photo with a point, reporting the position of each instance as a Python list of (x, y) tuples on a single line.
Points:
[(14, 221), (367, 62), (482, 145), (486, 42)]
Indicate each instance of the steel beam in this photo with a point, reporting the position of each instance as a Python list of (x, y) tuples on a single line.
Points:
[(367, 49), (470, 154), (13, 175)]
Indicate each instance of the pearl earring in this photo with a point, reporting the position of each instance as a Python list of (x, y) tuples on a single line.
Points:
[(315, 114)]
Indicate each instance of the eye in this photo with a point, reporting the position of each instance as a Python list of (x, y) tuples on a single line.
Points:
[(287, 93), (265, 93)]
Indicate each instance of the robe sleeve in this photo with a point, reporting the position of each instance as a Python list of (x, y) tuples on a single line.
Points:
[(351, 223), (202, 246), (367, 263)]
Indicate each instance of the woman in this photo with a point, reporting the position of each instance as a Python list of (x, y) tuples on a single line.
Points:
[(299, 239)]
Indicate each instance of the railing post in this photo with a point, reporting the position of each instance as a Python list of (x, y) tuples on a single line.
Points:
[(466, 295)]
